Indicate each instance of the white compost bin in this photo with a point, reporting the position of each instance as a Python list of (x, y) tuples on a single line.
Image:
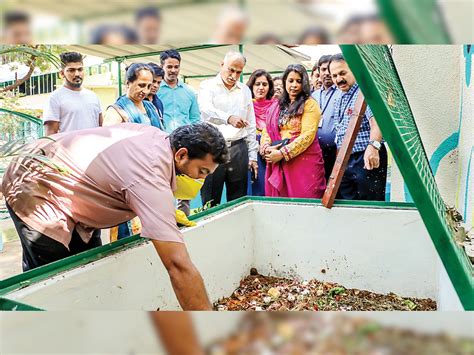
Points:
[(375, 246)]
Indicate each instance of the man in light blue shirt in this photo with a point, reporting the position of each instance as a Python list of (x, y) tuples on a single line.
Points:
[(180, 105), (179, 100), (327, 96)]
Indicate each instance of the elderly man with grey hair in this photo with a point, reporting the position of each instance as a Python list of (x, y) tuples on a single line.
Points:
[(227, 103)]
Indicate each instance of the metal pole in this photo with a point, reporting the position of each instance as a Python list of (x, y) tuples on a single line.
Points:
[(241, 50), (119, 76)]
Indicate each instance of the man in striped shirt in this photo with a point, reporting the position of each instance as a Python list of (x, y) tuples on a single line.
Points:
[(366, 172)]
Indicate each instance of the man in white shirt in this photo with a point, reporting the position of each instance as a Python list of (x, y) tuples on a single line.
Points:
[(72, 107), (227, 103)]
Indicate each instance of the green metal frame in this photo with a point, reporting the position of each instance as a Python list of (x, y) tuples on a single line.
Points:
[(415, 21), (25, 116), (44, 272), (9, 305), (455, 261)]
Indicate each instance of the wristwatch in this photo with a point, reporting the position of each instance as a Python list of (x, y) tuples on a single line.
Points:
[(376, 144)]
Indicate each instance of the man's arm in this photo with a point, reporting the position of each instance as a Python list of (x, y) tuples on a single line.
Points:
[(375, 132), (51, 116), (251, 137), (371, 155), (154, 203), (176, 332), (51, 127), (194, 113), (185, 278), (209, 113)]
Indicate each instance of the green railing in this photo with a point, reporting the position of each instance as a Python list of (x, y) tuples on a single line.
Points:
[(46, 83), (415, 21), (377, 76), (18, 126)]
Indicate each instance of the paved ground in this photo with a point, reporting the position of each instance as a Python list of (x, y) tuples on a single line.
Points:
[(10, 259), (11, 254)]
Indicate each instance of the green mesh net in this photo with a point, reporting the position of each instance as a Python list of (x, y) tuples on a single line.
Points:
[(415, 21), (377, 76)]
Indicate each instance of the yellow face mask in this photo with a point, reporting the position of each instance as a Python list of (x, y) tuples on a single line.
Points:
[(187, 188)]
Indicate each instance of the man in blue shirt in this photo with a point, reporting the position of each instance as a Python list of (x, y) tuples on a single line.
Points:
[(327, 96), (366, 173), (180, 103), (179, 100)]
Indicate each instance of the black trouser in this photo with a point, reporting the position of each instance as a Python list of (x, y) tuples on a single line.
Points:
[(234, 174), (39, 249), (361, 184), (329, 157)]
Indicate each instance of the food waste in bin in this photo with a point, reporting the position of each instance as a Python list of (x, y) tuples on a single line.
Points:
[(324, 333), (269, 293)]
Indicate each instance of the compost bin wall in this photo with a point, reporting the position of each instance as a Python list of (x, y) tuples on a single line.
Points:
[(377, 249)]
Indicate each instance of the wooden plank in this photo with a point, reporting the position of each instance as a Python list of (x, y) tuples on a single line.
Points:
[(344, 153)]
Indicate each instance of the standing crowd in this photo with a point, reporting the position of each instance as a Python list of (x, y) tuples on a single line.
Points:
[(283, 133), (128, 168)]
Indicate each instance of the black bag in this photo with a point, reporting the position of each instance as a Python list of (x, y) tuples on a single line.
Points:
[(283, 142)]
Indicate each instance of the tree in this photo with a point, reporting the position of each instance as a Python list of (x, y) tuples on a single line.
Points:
[(41, 56)]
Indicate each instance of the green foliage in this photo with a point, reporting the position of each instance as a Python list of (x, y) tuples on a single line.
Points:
[(202, 209), (10, 123), (42, 56)]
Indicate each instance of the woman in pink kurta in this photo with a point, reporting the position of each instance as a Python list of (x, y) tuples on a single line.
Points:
[(294, 169), (261, 85)]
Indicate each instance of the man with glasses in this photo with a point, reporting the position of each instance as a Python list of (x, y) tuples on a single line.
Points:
[(227, 103)]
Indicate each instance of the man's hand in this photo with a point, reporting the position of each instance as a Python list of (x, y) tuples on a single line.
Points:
[(183, 220), (237, 122), (371, 158), (185, 278), (253, 166), (274, 156)]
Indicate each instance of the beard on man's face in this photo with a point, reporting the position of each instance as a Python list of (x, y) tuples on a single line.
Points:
[(76, 83)]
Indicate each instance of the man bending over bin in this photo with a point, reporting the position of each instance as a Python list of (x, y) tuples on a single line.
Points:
[(63, 189)]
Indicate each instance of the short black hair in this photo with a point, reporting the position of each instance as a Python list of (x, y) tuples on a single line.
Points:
[(336, 58), (315, 67), (277, 78), (314, 31), (11, 17), (170, 53), (147, 12), (131, 72), (70, 57), (359, 19), (100, 32), (324, 59), (201, 139), (156, 69), (268, 38)]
